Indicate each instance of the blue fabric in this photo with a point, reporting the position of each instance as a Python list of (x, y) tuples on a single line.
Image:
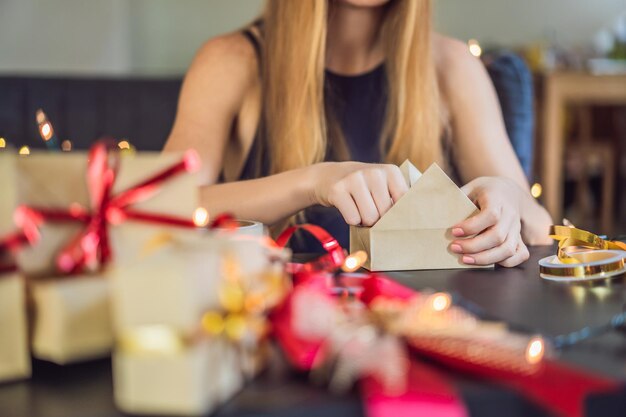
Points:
[(514, 85)]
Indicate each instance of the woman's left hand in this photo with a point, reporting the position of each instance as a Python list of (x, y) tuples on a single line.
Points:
[(496, 229)]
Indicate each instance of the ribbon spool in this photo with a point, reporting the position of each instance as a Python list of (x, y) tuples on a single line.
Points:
[(582, 256)]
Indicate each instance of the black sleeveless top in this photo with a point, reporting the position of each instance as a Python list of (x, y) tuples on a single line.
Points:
[(358, 104)]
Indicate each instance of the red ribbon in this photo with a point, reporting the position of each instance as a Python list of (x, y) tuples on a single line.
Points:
[(92, 246), (557, 387), (331, 261)]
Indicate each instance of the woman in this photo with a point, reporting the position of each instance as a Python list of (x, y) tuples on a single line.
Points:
[(364, 83)]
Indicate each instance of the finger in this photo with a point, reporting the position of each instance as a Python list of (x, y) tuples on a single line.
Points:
[(490, 238), (343, 201), (364, 200), (377, 184), (521, 255), (395, 182), (484, 219), (494, 255)]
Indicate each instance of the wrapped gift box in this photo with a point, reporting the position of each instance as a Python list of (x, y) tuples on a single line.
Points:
[(59, 181), (416, 232), (72, 320), (164, 362), (14, 352)]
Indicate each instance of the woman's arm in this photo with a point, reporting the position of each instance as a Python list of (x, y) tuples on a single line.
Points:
[(487, 163), (216, 86)]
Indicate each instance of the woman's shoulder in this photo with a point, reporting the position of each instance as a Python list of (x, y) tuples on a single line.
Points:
[(231, 58), (456, 67), (452, 55)]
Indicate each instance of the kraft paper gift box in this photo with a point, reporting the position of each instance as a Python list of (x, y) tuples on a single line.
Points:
[(14, 350), (72, 317), (416, 232), (161, 301)]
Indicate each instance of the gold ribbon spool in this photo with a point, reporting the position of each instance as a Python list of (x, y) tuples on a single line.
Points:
[(582, 255)]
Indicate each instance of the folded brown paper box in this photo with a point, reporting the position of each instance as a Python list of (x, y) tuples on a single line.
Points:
[(72, 320), (169, 291), (416, 232)]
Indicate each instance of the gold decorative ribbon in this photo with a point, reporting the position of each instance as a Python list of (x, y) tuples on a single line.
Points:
[(582, 255)]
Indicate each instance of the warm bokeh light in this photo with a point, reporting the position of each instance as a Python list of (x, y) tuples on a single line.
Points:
[(535, 350), (440, 301), (536, 190), (354, 261), (66, 145), (200, 217), (46, 131), (40, 116), (474, 48), (3, 143), (24, 150), (123, 144)]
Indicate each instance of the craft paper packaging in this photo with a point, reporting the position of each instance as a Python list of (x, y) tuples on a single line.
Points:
[(58, 180), (14, 352), (171, 289), (416, 232), (72, 319)]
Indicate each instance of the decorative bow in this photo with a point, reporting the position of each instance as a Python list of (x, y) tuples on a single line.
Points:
[(91, 246)]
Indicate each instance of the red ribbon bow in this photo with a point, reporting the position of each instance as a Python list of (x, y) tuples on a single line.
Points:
[(92, 246)]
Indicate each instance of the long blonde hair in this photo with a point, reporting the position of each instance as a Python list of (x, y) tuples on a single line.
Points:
[(294, 120)]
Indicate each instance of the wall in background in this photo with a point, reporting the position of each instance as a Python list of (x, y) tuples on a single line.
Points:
[(159, 37)]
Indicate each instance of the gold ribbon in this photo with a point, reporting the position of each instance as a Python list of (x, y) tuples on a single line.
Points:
[(583, 255)]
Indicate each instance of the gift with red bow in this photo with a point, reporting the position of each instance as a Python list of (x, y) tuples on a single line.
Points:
[(83, 214)]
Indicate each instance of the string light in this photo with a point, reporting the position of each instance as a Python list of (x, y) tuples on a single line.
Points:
[(354, 261), (66, 145), (3, 143), (440, 301), (535, 350), (474, 48), (536, 190), (200, 217), (24, 150), (123, 144)]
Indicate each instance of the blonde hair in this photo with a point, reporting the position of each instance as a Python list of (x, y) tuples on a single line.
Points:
[(294, 120)]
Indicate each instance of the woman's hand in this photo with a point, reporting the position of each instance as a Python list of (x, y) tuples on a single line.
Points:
[(497, 228), (362, 192)]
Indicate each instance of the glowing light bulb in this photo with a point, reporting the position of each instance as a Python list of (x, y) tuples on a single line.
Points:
[(440, 301), (66, 145), (354, 261), (46, 131), (123, 144), (474, 48), (200, 217), (536, 190), (535, 350), (3, 143), (24, 150)]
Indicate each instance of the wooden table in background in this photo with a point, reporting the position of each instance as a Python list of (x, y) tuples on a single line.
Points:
[(561, 89)]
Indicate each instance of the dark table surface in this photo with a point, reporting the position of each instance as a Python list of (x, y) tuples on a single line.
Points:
[(517, 296)]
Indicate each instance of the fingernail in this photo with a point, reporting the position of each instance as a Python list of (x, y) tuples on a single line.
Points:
[(468, 260), (457, 231), (456, 248)]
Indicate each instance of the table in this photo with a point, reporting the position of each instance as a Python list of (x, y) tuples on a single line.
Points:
[(560, 89), (516, 295)]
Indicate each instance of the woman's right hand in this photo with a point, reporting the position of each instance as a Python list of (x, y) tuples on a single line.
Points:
[(361, 192)]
